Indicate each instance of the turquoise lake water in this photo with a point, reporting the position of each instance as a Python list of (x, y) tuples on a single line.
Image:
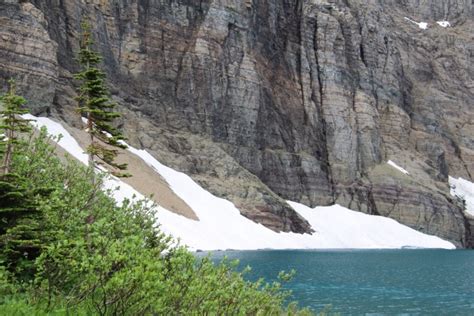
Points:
[(371, 282)]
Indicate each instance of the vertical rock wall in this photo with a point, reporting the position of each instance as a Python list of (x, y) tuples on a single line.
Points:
[(262, 100)]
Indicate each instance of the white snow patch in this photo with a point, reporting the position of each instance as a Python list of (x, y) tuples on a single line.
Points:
[(421, 25), (67, 142), (464, 189), (443, 23), (221, 226), (391, 163), (340, 227)]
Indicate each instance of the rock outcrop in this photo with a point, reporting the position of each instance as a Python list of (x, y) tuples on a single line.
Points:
[(262, 101)]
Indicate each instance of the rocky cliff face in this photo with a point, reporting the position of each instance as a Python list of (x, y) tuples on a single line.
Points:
[(262, 101)]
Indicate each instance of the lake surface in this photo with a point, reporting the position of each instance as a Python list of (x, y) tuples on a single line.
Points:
[(371, 282)]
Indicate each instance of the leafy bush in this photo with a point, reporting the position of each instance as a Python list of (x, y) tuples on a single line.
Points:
[(98, 257)]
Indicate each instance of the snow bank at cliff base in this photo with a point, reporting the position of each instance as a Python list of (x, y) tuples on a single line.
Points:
[(221, 226)]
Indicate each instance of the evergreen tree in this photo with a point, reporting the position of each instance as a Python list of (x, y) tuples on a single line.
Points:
[(96, 106), (20, 227), (11, 124), (19, 218)]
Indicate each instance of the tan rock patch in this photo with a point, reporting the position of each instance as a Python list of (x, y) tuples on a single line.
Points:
[(145, 179)]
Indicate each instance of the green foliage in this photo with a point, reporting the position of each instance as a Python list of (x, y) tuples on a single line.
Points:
[(7, 289), (107, 259), (20, 218), (11, 125), (96, 106), (20, 229)]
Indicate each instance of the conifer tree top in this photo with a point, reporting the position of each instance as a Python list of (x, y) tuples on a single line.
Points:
[(11, 106), (11, 124), (96, 106)]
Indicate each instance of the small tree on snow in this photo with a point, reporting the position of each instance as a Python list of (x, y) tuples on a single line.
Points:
[(96, 106)]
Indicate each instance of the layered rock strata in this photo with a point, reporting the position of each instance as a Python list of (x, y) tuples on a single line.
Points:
[(262, 101)]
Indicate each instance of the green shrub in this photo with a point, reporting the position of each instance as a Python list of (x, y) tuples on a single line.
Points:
[(98, 257)]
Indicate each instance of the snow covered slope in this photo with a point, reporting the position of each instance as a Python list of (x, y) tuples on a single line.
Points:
[(221, 226), (391, 163), (421, 25), (465, 190)]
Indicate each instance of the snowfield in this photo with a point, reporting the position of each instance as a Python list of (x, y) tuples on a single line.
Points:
[(424, 25), (465, 190), (221, 226), (443, 23), (421, 25), (391, 163)]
